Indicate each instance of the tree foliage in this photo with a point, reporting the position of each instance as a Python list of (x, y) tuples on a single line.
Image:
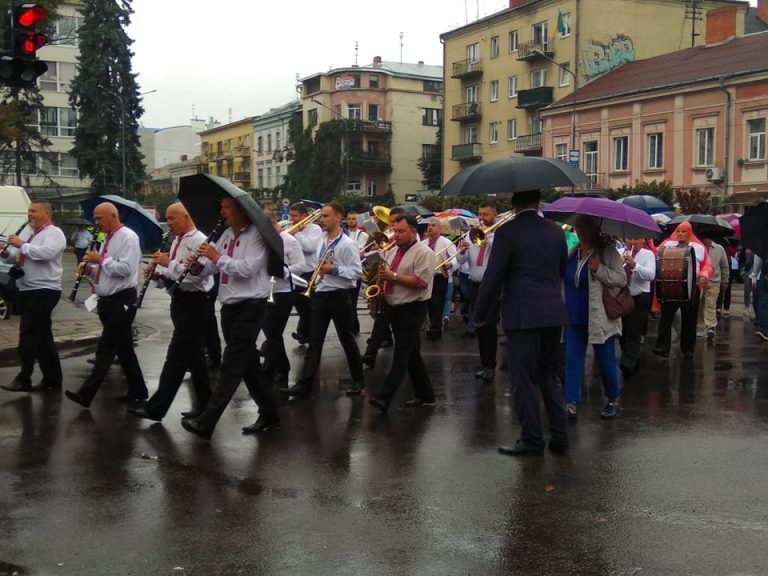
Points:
[(107, 95), (693, 201), (431, 164)]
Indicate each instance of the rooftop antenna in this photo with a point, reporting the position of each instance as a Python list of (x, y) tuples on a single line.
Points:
[(356, 51), (193, 112), (229, 114), (466, 13), (401, 47), (693, 12)]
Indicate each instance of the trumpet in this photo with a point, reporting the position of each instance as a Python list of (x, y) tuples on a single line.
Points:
[(327, 257), (479, 236), (303, 223)]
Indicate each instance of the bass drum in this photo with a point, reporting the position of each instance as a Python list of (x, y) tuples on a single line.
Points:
[(675, 274)]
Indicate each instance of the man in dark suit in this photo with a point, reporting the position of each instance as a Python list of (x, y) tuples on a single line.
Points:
[(529, 259)]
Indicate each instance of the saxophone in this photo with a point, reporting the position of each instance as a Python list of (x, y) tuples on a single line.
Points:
[(374, 294)]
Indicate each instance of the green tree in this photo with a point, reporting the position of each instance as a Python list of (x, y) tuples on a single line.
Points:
[(296, 182), (431, 164), (693, 201), (107, 95)]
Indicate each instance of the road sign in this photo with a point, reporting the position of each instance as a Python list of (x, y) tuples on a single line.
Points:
[(573, 157), (286, 202), (411, 198)]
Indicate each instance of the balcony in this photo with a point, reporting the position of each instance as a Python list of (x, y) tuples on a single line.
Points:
[(242, 177), (528, 51), (467, 69), (466, 111), (463, 152), (370, 126), (242, 151), (535, 97), (370, 162), (596, 182), (528, 143)]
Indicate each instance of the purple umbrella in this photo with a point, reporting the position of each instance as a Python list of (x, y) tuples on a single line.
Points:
[(615, 219)]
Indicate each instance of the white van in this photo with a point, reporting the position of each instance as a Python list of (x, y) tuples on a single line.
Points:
[(14, 203)]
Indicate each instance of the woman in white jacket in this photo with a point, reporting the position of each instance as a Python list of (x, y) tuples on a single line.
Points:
[(592, 264)]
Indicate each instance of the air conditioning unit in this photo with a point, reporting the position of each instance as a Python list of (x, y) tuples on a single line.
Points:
[(713, 174)]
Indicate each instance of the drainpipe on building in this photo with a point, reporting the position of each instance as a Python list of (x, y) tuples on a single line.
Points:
[(727, 152)]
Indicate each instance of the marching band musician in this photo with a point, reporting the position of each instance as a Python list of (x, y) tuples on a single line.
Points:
[(38, 254), (331, 301), (187, 346), (361, 237), (477, 257), (309, 237), (240, 256), (114, 269), (439, 244), (276, 364), (408, 278)]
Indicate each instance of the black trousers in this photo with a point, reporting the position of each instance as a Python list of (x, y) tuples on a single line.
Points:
[(212, 339), (185, 352), (116, 313), (36, 337), (275, 357), (689, 313), (380, 333), (487, 335), (437, 305), (326, 307), (407, 320), (632, 326), (304, 310), (240, 324), (355, 298), (533, 360)]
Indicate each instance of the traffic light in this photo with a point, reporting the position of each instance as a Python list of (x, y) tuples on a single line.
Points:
[(21, 67)]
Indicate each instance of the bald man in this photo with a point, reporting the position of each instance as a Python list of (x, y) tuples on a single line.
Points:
[(188, 303), (113, 270)]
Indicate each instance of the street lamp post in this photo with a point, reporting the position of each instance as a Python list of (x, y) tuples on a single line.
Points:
[(575, 81)]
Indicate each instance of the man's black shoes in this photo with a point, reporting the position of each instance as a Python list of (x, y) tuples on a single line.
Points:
[(17, 386), (262, 424), (193, 426), (144, 413), (522, 448), (78, 398)]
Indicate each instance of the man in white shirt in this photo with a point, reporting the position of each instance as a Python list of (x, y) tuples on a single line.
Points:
[(331, 302), (114, 269), (186, 349), (37, 251), (80, 239), (309, 237), (439, 244), (640, 266), (240, 256), (361, 238)]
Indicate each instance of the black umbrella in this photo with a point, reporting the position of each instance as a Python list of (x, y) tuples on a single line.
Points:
[(416, 210), (78, 222), (646, 203), (515, 174), (201, 195), (704, 225), (135, 217), (754, 229)]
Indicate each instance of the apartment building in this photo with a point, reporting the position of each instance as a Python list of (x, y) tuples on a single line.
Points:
[(226, 151), (272, 151), (695, 118), (397, 111), (500, 71)]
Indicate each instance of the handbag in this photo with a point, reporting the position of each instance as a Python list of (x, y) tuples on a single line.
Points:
[(619, 305)]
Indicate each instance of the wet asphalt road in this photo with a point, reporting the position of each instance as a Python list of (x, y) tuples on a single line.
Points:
[(678, 485)]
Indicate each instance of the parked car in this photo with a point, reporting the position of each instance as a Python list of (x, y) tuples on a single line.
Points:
[(9, 300)]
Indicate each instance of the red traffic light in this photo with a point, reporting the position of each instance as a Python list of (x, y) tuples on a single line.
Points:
[(29, 42), (27, 15)]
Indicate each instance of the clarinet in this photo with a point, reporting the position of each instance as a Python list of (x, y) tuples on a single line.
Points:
[(195, 267), (4, 245), (163, 247), (16, 271), (81, 273)]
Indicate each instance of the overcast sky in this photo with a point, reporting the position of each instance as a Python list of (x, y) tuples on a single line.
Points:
[(244, 55)]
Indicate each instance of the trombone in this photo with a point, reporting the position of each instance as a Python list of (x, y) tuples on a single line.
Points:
[(478, 236), (327, 257), (303, 223)]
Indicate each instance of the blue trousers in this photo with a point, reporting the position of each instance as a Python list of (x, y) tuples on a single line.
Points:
[(575, 355)]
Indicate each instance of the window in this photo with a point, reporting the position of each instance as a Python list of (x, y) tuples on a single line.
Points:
[(538, 78), (472, 93), (65, 31), (431, 116), (353, 187), (373, 112), (337, 111), (432, 86), (493, 133), (512, 87), (312, 117), (473, 52), (58, 77), (260, 178), (277, 140), (514, 41), (59, 164), (372, 188), (511, 129), (705, 144), (269, 177), (564, 24), (470, 135), (494, 47), (565, 74), (269, 142), (756, 139), (590, 157), (540, 35), (536, 124), (355, 111), (373, 148), (430, 150), (620, 153), (260, 145), (373, 81), (494, 90), (278, 178), (561, 152), (656, 150), (58, 121)]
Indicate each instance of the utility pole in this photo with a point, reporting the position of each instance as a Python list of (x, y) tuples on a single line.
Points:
[(693, 12)]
